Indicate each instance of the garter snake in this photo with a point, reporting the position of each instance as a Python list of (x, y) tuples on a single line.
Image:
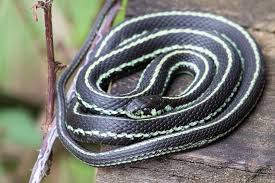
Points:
[(223, 58)]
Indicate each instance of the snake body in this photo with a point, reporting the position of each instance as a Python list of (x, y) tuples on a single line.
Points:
[(223, 58)]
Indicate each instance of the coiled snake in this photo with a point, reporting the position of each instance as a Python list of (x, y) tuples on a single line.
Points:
[(228, 72)]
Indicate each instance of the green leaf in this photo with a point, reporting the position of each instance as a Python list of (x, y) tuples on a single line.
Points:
[(80, 15), (122, 13), (74, 170), (1, 171), (18, 35), (18, 127)]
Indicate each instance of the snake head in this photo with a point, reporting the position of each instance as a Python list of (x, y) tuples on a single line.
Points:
[(147, 106)]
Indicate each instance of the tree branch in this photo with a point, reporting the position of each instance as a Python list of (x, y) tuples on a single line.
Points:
[(52, 65), (42, 165)]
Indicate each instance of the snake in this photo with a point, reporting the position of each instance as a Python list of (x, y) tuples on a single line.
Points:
[(223, 59)]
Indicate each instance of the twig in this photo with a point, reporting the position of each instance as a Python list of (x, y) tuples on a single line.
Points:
[(42, 165), (52, 64)]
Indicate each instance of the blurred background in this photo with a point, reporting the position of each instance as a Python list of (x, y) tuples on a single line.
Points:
[(23, 80)]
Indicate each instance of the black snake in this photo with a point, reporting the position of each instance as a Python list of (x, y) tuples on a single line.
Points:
[(223, 58)]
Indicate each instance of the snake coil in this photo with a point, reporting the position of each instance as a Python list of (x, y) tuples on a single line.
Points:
[(223, 58)]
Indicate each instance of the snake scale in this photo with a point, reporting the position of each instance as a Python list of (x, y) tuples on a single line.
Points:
[(228, 78)]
